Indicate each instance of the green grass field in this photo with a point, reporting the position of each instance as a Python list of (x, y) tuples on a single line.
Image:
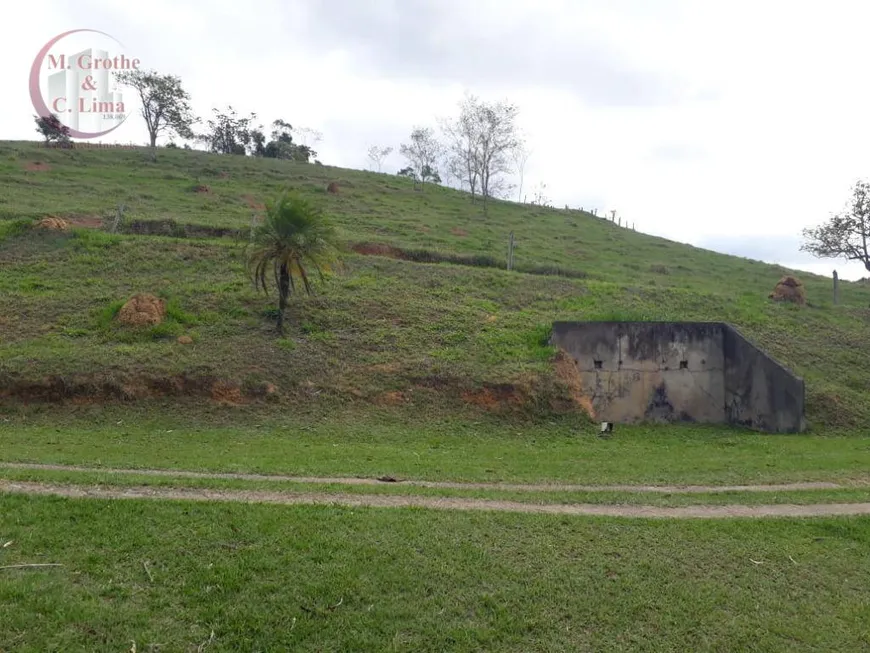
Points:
[(404, 368), (384, 331), (165, 576)]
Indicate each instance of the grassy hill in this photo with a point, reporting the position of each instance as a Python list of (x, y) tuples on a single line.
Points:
[(392, 330)]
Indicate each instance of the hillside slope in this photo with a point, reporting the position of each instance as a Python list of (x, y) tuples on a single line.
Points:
[(386, 331)]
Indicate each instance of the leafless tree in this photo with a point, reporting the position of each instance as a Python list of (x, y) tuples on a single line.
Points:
[(481, 141), (462, 146), (307, 136), (520, 155), (846, 234), (540, 198), (422, 154), (377, 155)]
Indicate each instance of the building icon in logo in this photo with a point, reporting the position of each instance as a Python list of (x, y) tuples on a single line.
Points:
[(84, 98), (81, 89)]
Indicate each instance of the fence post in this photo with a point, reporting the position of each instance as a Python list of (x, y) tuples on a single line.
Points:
[(119, 215), (510, 257), (836, 288)]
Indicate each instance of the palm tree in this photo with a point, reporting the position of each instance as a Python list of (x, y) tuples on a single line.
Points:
[(295, 239)]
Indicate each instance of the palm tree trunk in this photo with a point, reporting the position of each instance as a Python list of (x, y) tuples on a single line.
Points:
[(283, 292)]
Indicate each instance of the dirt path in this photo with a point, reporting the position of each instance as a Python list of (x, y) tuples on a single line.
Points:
[(549, 487), (389, 501)]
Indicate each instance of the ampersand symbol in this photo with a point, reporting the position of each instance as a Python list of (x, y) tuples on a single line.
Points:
[(89, 84)]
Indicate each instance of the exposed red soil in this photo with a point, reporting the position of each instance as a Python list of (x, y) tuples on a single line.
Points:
[(568, 374), (456, 231), (85, 221), (495, 396), (37, 166), (227, 393), (394, 398), (96, 389), (252, 202)]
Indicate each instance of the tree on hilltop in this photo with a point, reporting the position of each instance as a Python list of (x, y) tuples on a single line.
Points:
[(846, 235), (52, 129), (422, 153), (377, 155), (165, 104), (482, 141)]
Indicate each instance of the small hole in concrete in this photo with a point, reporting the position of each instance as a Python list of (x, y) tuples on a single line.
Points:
[(598, 365), (684, 365), (703, 362)]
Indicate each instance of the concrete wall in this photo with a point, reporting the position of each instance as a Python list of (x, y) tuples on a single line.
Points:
[(759, 392), (648, 371), (679, 371)]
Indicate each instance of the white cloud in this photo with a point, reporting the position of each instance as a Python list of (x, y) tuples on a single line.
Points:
[(694, 120)]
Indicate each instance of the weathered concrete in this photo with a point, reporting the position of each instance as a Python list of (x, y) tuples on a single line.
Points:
[(759, 392), (680, 371)]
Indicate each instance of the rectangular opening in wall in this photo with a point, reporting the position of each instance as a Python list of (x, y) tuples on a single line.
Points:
[(684, 365), (598, 365)]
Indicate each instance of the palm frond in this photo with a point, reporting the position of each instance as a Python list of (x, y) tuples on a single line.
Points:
[(295, 234)]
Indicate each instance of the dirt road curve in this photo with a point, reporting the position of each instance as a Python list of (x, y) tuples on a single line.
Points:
[(549, 487), (392, 501)]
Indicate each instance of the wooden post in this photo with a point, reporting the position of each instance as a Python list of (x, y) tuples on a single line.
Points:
[(510, 257), (119, 216), (836, 288)]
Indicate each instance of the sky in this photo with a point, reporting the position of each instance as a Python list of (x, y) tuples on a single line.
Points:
[(727, 125)]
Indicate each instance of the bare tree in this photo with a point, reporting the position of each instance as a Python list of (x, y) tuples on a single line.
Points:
[(422, 154), (520, 155), (377, 155), (462, 146), (846, 234), (540, 198), (307, 136), (165, 104), (481, 141)]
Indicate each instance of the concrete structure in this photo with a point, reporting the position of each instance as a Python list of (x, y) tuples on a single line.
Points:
[(703, 372)]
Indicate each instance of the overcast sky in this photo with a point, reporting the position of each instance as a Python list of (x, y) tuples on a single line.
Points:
[(729, 125)]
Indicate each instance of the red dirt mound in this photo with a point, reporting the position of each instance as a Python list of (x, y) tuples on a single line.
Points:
[(456, 231), (53, 224), (37, 166), (201, 188), (185, 340), (142, 309), (332, 188), (789, 289)]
